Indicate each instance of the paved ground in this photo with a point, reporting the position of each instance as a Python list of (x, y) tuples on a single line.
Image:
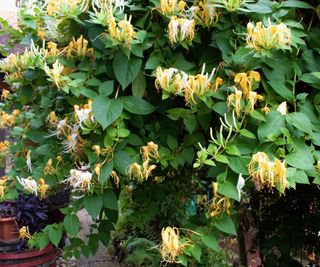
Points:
[(101, 259)]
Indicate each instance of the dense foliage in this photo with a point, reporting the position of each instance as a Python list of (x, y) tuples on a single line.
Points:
[(179, 110)]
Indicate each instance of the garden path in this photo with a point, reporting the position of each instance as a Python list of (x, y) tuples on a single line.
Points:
[(101, 259)]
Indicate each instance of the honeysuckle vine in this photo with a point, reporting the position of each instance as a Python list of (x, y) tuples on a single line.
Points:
[(169, 114)]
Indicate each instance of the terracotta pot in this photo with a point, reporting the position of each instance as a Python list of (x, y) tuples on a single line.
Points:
[(30, 258), (9, 230)]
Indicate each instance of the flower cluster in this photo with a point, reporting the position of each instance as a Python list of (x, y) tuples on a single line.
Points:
[(84, 116), (272, 36), (266, 173), (4, 147), (218, 204), (8, 120), (31, 186), (181, 29), (171, 245), (204, 13), (245, 83), (174, 81), (3, 181), (67, 8), (183, 19), (80, 179), (142, 172), (71, 139)]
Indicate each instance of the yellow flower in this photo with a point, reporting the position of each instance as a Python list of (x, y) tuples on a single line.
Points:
[(171, 80), (78, 48), (49, 169), (79, 179), (66, 7), (97, 169), (4, 147), (272, 36), (231, 5), (24, 232), (96, 149), (266, 173), (3, 180), (281, 174), (149, 151), (52, 119), (218, 204), (73, 143), (29, 184), (171, 245), (6, 120), (266, 109), (127, 33), (181, 29), (53, 49), (169, 7), (55, 73), (204, 13), (115, 178), (253, 97), (182, 5), (235, 100), (84, 115), (16, 112), (140, 172), (174, 81), (245, 80), (5, 94), (42, 188)]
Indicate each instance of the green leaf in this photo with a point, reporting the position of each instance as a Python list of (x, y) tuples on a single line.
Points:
[(301, 177), (232, 149), (93, 205), (172, 142), (301, 156), (190, 121), (228, 189), (137, 105), (126, 70), (239, 164), (55, 234), (183, 260), (88, 93), (280, 88), (300, 121), (196, 252), (296, 3), (139, 85), (106, 110), (154, 60), (247, 133), (71, 224), (106, 88), (222, 159), (226, 225), (210, 241), (271, 128), (105, 172), (122, 161), (109, 200)]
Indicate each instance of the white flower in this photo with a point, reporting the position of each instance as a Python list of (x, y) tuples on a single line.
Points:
[(29, 184), (283, 108), (79, 179), (240, 185), (28, 161)]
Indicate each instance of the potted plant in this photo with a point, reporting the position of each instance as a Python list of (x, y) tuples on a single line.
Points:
[(26, 215)]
